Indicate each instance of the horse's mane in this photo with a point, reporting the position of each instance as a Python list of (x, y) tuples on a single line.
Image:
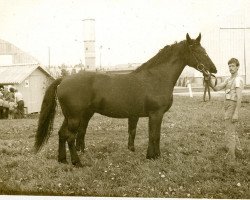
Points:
[(159, 58)]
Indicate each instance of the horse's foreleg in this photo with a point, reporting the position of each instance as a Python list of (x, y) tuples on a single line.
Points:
[(132, 123), (80, 140), (155, 120), (62, 143)]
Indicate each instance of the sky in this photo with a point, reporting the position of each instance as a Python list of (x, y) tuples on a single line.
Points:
[(129, 31)]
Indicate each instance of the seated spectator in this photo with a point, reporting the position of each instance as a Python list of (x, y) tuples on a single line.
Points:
[(11, 93), (5, 108), (1, 106)]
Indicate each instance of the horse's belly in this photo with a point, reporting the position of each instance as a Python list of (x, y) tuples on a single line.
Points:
[(120, 113), (118, 108)]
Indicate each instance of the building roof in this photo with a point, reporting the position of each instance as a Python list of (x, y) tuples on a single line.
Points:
[(16, 74), (18, 55)]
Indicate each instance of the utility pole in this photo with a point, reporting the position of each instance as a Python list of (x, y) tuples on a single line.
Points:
[(100, 48), (244, 45), (49, 56)]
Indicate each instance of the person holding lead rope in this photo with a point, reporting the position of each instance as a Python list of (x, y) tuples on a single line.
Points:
[(233, 95)]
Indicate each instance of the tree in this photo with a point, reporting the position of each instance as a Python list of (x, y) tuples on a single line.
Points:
[(64, 71)]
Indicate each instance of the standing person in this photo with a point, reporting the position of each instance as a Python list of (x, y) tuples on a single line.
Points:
[(233, 95), (206, 80), (20, 104)]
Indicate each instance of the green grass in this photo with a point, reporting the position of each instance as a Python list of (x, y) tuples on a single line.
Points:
[(191, 163)]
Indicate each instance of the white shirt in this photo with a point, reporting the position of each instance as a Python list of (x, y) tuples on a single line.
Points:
[(18, 96), (231, 85)]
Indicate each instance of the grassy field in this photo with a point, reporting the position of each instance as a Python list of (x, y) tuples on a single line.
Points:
[(191, 164)]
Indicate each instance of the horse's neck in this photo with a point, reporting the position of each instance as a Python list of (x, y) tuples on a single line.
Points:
[(166, 73)]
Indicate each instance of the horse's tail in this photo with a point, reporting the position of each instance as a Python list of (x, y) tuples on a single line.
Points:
[(47, 114)]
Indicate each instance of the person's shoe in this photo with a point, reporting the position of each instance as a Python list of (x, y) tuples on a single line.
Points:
[(223, 149), (239, 153)]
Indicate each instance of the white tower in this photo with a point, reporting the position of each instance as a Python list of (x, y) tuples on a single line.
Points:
[(89, 42)]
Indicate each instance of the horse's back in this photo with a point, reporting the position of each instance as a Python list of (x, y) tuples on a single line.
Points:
[(113, 95)]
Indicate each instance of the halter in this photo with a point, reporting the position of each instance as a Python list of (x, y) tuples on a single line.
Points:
[(201, 68)]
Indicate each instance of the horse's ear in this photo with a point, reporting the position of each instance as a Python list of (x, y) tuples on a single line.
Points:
[(198, 39), (188, 39)]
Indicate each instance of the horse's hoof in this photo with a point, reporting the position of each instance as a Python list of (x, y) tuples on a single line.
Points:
[(78, 148), (131, 148), (77, 164), (82, 150), (64, 161), (152, 156)]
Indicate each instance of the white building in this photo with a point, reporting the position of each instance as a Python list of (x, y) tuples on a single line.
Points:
[(30, 79)]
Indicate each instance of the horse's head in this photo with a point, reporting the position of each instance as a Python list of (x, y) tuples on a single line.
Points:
[(197, 57)]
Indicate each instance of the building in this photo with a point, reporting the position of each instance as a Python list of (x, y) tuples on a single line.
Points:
[(10, 54), (30, 79), (22, 71)]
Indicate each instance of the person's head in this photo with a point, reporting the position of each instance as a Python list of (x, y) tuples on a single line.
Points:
[(12, 90), (233, 65)]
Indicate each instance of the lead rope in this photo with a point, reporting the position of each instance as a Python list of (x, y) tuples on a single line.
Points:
[(207, 81)]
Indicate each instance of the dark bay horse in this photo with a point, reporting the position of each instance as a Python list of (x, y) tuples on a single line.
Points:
[(145, 92)]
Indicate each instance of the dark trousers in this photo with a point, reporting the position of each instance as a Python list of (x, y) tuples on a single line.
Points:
[(20, 109), (1, 112), (5, 113)]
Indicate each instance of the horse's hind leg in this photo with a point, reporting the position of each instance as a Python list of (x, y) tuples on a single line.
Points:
[(62, 142), (132, 123), (67, 135), (73, 126), (80, 143)]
